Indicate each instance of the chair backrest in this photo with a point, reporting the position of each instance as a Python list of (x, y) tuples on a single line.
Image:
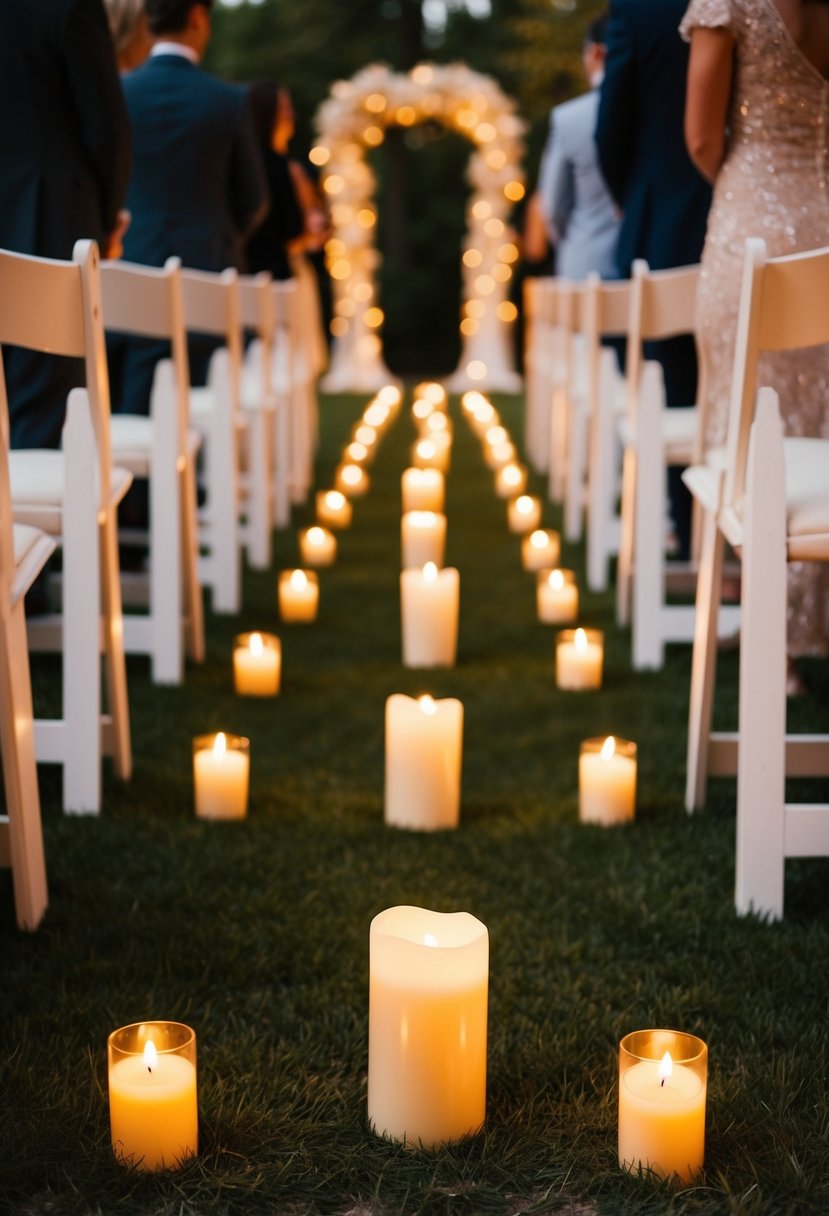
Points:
[(257, 306), (784, 305), (148, 302), (7, 562), (55, 307), (663, 304), (211, 306), (604, 313)]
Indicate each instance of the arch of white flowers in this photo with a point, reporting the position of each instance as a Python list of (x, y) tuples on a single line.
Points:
[(354, 119)]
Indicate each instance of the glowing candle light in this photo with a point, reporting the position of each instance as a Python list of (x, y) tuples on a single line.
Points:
[(523, 514), (423, 490), (607, 780), (540, 550), (153, 1104), (429, 601), (557, 596), (579, 657), (317, 546), (423, 762), (510, 480), (298, 592), (221, 775), (333, 509), (351, 480), (257, 664)]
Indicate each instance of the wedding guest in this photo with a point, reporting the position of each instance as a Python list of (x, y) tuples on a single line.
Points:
[(581, 218), (65, 148), (664, 200), (755, 121), (130, 32)]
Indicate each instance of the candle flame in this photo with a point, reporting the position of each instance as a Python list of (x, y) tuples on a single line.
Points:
[(524, 504), (429, 940), (357, 451), (427, 704), (219, 749), (150, 1053), (316, 536), (255, 645), (426, 449), (556, 580), (430, 572), (666, 1068), (580, 641), (512, 474), (437, 422), (539, 539), (608, 751), (335, 500), (299, 580), (351, 474)]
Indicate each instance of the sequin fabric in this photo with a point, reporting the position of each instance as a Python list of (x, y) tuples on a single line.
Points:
[(773, 184)]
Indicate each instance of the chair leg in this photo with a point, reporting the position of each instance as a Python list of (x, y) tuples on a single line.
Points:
[(115, 659), (25, 832), (281, 463), (558, 443), (257, 506), (193, 606), (576, 463), (165, 553), (649, 513), (704, 660), (624, 567), (761, 760), (600, 478)]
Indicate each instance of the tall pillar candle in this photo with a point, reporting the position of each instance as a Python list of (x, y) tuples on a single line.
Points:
[(607, 780), (429, 616), (153, 1103), (663, 1083), (423, 538), (429, 978), (424, 746), (423, 490)]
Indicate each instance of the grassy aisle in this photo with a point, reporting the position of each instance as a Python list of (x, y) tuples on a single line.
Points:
[(256, 933)]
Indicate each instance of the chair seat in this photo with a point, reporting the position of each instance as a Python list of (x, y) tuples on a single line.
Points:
[(131, 437), (32, 549), (679, 432), (203, 407), (37, 487)]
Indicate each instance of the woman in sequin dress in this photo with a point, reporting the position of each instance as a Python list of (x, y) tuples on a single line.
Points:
[(757, 123)]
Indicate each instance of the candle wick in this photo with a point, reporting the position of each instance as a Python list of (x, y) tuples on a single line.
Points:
[(662, 1082)]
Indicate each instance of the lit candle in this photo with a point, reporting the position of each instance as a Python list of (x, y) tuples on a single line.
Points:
[(221, 773), (356, 452), (557, 596), (540, 550), (438, 423), (429, 614), (317, 546), (579, 655), (523, 514), (423, 490), (607, 780), (351, 480), (663, 1081), (366, 435), (424, 740), (377, 415), (423, 538), (257, 664), (333, 509), (429, 975), (510, 480), (501, 454), (433, 453), (299, 595), (432, 392), (153, 1103)]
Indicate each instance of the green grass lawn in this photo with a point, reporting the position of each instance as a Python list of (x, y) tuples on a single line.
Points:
[(256, 933)]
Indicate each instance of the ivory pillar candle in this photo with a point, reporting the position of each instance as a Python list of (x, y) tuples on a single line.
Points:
[(429, 978), (153, 1103), (579, 656), (424, 741), (663, 1083), (299, 595), (423, 538), (557, 596), (429, 615), (540, 550), (333, 509), (423, 490), (523, 514), (510, 480), (607, 780), (351, 480), (317, 546), (221, 775), (257, 664)]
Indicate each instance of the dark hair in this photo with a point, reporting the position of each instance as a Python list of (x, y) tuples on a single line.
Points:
[(262, 98), (596, 31), (170, 16)]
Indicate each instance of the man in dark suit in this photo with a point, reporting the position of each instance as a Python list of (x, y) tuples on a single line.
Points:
[(198, 186), (642, 154), (65, 155)]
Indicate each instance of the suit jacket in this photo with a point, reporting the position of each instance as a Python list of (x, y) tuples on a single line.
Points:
[(64, 134), (575, 201), (198, 186), (640, 136)]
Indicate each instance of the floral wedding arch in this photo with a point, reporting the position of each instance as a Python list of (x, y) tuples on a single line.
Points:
[(354, 119)]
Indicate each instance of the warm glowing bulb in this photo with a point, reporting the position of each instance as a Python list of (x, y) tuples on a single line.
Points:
[(427, 704), (319, 155), (580, 641), (607, 753), (430, 572), (666, 1067), (150, 1053), (299, 580), (219, 749), (255, 645)]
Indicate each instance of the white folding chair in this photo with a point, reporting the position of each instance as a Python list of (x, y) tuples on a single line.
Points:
[(663, 305), (282, 380), (73, 496), (258, 400), (779, 514), (539, 347), (211, 306), (147, 302), (569, 389), (295, 381), (23, 553)]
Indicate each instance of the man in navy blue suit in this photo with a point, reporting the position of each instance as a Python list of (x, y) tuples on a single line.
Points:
[(65, 155), (642, 154), (198, 186)]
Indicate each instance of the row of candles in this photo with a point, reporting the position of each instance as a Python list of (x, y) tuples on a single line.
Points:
[(429, 971), (427, 1056)]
